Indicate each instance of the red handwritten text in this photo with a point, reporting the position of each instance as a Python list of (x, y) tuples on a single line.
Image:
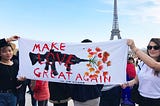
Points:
[(53, 45)]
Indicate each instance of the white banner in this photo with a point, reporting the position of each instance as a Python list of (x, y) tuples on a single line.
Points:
[(77, 63)]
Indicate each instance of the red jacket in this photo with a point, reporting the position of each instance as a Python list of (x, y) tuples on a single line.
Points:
[(131, 72), (41, 90)]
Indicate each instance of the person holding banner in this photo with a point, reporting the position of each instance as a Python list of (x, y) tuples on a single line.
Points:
[(9, 83), (149, 75), (60, 93), (86, 95), (111, 95), (21, 92), (41, 92)]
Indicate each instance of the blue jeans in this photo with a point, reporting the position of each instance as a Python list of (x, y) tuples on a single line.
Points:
[(8, 99)]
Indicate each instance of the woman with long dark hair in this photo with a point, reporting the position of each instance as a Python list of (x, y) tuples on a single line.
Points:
[(149, 75)]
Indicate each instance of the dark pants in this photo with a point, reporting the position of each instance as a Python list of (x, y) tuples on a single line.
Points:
[(43, 103), (149, 102), (111, 97), (21, 94), (61, 104)]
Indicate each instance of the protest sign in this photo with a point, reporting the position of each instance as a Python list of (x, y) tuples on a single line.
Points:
[(76, 63)]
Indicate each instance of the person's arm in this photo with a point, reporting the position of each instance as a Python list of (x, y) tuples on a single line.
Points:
[(143, 56), (6, 40), (12, 38), (130, 83)]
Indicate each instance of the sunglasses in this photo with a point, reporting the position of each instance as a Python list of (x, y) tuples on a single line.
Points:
[(154, 47)]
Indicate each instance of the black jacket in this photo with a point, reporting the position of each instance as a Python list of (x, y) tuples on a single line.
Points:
[(83, 93)]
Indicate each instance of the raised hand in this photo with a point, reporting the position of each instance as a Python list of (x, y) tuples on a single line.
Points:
[(12, 38)]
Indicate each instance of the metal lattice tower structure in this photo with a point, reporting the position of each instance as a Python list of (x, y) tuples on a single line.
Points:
[(115, 28)]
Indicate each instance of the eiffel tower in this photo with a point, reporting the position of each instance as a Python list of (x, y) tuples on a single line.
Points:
[(115, 28)]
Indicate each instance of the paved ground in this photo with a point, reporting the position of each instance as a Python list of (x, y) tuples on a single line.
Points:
[(28, 101)]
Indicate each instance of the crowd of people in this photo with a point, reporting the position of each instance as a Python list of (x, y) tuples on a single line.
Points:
[(13, 89)]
